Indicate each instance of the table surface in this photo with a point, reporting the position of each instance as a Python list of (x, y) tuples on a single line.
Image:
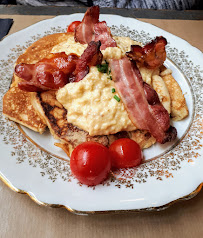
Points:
[(21, 217)]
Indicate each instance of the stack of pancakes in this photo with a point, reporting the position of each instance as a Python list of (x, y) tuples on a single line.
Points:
[(39, 110)]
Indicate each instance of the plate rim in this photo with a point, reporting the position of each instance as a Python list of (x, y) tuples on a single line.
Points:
[(78, 212)]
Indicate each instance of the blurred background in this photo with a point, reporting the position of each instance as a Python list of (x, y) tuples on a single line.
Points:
[(143, 4)]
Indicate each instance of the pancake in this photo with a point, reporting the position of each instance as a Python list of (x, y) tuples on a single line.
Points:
[(159, 86), (17, 106), (179, 108)]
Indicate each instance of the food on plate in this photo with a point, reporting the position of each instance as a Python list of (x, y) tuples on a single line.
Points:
[(72, 26), (50, 73), (125, 153), (46, 105), (15, 98), (179, 108), (70, 135), (160, 87), (152, 55), (91, 29), (98, 118), (89, 86), (141, 101), (17, 106), (90, 162)]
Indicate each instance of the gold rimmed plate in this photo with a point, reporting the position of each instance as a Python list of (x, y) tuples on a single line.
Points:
[(39, 171)]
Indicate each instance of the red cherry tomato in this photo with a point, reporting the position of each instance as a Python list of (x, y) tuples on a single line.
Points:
[(125, 153), (73, 25), (90, 162)]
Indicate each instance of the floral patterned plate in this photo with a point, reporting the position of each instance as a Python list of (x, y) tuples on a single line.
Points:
[(31, 164)]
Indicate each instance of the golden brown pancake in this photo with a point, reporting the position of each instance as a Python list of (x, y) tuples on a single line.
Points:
[(179, 108), (17, 106), (160, 87)]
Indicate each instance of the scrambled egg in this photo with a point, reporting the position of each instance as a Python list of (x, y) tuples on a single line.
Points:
[(70, 46), (90, 103)]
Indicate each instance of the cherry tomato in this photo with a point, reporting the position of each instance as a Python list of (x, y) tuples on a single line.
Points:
[(73, 25), (125, 153), (90, 162)]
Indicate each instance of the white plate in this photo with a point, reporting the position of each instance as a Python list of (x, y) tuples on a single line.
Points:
[(175, 173)]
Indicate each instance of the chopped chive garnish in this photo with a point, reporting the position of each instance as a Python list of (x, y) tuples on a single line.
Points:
[(103, 68), (110, 77), (109, 71), (117, 98), (113, 90)]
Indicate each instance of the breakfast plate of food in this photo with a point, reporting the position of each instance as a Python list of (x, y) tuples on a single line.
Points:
[(101, 113)]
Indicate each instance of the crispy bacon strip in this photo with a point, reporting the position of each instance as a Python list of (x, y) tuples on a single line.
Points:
[(59, 69), (151, 55), (141, 101), (91, 29), (84, 33), (48, 74), (103, 34), (90, 57)]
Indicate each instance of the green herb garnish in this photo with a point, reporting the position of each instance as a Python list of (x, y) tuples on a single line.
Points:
[(103, 68), (113, 90), (117, 98)]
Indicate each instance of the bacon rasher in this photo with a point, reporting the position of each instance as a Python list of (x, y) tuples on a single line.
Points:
[(103, 34), (59, 69), (141, 101), (48, 74), (152, 55), (84, 33), (91, 56), (91, 29)]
